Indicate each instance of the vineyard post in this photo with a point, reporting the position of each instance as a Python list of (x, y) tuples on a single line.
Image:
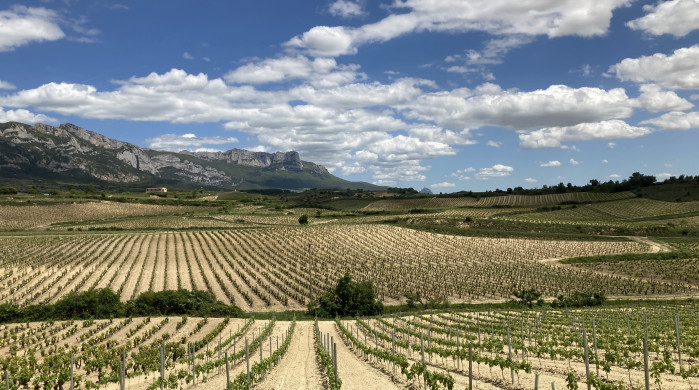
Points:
[(334, 360), (247, 358), (71, 370), (470, 367), (429, 340), (376, 338), (393, 348), (522, 333), (122, 381), (536, 381), (162, 366), (219, 352), (422, 352), (194, 365), (261, 349), (509, 355), (645, 354), (123, 363), (594, 345), (677, 334), (553, 385), (478, 320), (458, 354), (628, 326), (228, 373), (270, 345), (587, 358)]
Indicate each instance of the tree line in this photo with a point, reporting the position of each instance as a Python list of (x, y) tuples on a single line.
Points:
[(104, 303)]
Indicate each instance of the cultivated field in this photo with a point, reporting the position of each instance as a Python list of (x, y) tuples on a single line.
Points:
[(279, 268), (41, 215), (493, 201), (495, 349), (259, 258)]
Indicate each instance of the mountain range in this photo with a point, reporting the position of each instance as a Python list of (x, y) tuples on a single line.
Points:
[(69, 154)]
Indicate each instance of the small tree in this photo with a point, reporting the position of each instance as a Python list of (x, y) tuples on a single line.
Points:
[(528, 297), (303, 219), (348, 298)]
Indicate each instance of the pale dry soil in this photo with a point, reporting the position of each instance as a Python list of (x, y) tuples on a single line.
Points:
[(298, 368), (355, 373)]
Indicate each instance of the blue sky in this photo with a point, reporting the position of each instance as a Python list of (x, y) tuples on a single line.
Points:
[(446, 94)]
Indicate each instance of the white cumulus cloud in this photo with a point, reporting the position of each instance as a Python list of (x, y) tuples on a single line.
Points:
[(553, 137), (675, 120), (654, 99), (497, 170), (676, 71), (494, 144), (498, 17), (557, 105), (676, 17), (574, 162), (22, 25), (553, 163), (25, 116), (324, 41), (6, 85), (175, 143), (320, 71), (530, 180), (346, 9), (445, 184)]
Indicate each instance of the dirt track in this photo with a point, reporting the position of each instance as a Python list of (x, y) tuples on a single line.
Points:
[(355, 373), (298, 368)]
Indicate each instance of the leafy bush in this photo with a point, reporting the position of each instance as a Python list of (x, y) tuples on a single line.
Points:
[(580, 299), (104, 303), (8, 191), (303, 219), (179, 302), (528, 297), (348, 298)]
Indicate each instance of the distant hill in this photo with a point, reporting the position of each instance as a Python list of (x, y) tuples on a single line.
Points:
[(70, 154)]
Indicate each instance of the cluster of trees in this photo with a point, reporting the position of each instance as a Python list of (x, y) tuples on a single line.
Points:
[(634, 182), (580, 299), (104, 303), (348, 298), (531, 297), (8, 190)]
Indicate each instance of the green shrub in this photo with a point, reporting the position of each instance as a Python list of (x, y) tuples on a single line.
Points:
[(347, 298)]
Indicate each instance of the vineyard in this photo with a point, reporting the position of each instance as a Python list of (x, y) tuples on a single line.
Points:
[(279, 268), (485, 349), (40, 215), (254, 254), (495, 201)]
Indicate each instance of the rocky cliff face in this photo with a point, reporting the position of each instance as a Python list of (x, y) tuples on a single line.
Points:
[(69, 148), (282, 161)]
